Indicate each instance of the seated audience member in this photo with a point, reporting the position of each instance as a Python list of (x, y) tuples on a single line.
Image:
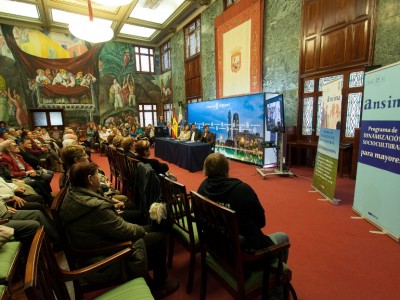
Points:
[(110, 139), (18, 187), (3, 126), (185, 134), (69, 142), (33, 160), (128, 144), (91, 222), (139, 132), (103, 135), (26, 222), (240, 197), (126, 129), (19, 169), (207, 136), (15, 196), (75, 154), (149, 134), (15, 135), (92, 136), (142, 149), (45, 135), (4, 136), (56, 135), (195, 134), (117, 140)]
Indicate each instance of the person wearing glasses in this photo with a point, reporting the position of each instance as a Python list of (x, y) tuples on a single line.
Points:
[(20, 169)]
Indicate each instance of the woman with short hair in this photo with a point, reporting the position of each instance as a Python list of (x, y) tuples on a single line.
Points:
[(91, 221)]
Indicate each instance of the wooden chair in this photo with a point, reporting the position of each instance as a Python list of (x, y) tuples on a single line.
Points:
[(132, 167), (10, 261), (121, 165), (4, 292), (44, 279), (113, 171), (244, 274), (74, 255), (183, 227)]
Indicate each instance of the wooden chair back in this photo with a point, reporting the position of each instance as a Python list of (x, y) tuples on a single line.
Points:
[(131, 166), (223, 257), (181, 221), (44, 279), (111, 161), (120, 162), (178, 207)]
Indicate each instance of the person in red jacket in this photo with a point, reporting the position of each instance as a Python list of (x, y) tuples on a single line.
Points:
[(20, 169)]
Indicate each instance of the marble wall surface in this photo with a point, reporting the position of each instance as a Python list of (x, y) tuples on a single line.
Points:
[(282, 29), (209, 82), (387, 41), (178, 67)]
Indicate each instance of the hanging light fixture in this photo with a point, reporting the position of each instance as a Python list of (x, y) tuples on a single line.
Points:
[(113, 2), (91, 30)]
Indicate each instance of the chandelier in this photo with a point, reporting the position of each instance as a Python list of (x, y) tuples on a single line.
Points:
[(113, 2), (91, 30)]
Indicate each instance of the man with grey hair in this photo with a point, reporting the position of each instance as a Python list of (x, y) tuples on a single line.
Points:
[(240, 197)]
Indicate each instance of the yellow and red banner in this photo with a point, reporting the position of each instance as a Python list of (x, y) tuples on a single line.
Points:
[(174, 131)]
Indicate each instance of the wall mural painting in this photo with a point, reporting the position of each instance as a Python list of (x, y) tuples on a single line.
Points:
[(96, 83), (13, 109), (166, 87), (121, 87), (54, 71)]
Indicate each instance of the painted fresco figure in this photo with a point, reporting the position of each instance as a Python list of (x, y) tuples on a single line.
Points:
[(3, 101), (41, 78), (20, 113), (58, 79), (88, 79), (79, 78), (117, 94), (131, 88)]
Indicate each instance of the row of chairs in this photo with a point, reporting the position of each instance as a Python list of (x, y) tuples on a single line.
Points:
[(122, 170), (204, 226)]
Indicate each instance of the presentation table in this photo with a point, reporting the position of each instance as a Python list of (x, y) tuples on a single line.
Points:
[(185, 154)]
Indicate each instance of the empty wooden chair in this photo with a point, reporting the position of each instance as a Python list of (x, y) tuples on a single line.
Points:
[(243, 274), (44, 279), (183, 228)]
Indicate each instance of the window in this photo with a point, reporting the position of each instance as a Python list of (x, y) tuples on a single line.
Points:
[(46, 117), (147, 114), (167, 112), (194, 100), (229, 3), (192, 39), (144, 59), (311, 107), (165, 51)]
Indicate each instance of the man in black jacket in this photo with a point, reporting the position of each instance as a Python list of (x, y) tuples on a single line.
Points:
[(240, 197), (195, 134)]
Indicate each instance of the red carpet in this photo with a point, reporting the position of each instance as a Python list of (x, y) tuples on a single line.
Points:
[(332, 256)]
